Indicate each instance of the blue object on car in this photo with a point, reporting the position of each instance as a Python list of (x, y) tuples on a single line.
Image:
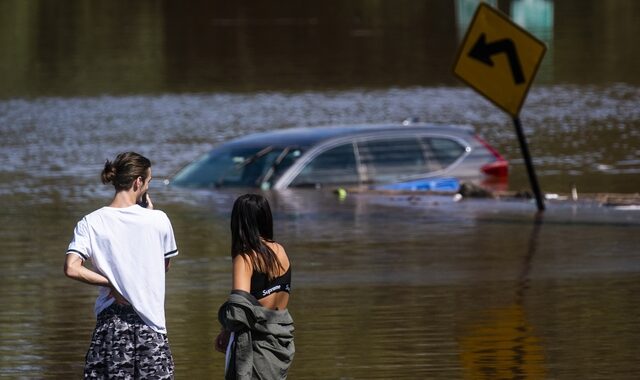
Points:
[(428, 184)]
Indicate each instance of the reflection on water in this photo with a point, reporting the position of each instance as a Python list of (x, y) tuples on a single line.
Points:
[(79, 48), (503, 346), (501, 343)]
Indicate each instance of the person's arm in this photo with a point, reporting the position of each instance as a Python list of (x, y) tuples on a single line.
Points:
[(74, 268), (241, 280), (242, 271)]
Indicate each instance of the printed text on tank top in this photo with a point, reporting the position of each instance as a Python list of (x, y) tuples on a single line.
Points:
[(262, 287)]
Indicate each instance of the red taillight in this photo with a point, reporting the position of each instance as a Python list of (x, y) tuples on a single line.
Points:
[(498, 168)]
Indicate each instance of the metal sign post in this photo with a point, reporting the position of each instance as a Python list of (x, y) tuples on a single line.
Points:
[(529, 164), (499, 59)]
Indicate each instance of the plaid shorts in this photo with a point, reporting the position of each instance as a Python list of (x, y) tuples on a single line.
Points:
[(124, 347)]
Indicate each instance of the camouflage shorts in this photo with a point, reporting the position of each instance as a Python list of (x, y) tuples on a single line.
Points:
[(124, 347)]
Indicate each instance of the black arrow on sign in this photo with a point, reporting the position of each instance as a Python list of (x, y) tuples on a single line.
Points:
[(482, 51)]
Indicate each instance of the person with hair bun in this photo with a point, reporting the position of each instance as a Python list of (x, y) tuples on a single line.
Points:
[(130, 246)]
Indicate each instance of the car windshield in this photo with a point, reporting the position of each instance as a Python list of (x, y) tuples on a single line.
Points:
[(237, 167)]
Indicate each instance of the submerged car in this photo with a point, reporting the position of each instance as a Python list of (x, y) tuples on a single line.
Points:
[(357, 155)]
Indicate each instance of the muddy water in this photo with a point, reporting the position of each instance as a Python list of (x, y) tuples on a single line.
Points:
[(384, 287)]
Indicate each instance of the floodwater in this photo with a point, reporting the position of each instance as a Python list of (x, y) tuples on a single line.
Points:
[(383, 287)]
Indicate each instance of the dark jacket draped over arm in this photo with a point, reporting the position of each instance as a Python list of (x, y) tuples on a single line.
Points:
[(263, 345)]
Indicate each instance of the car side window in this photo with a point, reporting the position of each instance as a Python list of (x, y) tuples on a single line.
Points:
[(445, 151), (390, 159), (334, 166)]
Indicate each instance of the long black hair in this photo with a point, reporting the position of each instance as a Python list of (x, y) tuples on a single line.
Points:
[(251, 226)]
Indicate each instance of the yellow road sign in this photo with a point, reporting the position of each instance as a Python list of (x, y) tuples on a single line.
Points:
[(499, 59)]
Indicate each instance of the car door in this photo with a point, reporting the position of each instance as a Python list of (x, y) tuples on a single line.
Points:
[(334, 166), (390, 159)]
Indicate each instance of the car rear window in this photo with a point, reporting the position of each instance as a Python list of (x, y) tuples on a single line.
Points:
[(443, 150)]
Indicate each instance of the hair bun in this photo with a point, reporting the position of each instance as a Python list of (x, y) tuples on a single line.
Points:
[(125, 169), (108, 173)]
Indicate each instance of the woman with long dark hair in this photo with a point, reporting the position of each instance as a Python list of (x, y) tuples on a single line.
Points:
[(129, 247), (257, 329)]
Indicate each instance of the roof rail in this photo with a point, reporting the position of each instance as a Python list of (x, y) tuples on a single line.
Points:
[(411, 120)]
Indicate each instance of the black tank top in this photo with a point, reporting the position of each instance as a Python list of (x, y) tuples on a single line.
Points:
[(262, 287)]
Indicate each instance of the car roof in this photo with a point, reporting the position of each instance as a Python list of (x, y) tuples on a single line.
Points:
[(309, 136)]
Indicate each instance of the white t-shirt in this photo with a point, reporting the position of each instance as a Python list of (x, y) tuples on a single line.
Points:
[(128, 246)]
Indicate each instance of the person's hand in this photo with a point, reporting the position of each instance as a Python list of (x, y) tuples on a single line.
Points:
[(145, 201), (120, 300), (150, 204), (222, 340)]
